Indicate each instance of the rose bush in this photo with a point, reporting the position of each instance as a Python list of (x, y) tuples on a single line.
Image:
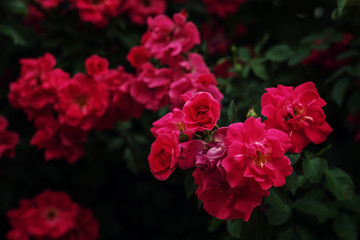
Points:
[(256, 124)]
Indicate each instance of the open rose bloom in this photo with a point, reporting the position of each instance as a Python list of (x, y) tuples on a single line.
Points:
[(297, 112), (51, 215), (235, 166)]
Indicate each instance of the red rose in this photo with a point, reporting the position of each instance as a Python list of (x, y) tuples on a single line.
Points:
[(97, 12), (8, 140), (170, 122), (201, 112), (297, 112), (224, 202), (96, 65), (47, 4), (35, 90), (51, 215), (139, 11), (167, 38), (82, 102), (256, 154), (222, 8), (58, 140), (151, 86), (165, 152), (138, 55)]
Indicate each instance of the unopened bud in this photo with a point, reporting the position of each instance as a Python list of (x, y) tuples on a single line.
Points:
[(251, 112), (183, 137)]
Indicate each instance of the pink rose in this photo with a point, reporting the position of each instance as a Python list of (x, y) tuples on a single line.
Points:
[(256, 155), (224, 202), (96, 65), (201, 112), (138, 55), (165, 152), (297, 112)]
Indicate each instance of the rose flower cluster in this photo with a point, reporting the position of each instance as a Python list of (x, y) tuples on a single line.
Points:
[(235, 166), (169, 41), (8, 140), (328, 58), (66, 109), (98, 12), (51, 215)]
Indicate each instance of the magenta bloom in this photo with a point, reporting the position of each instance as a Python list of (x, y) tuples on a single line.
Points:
[(96, 65), (97, 11), (139, 11), (35, 89), (297, 112), (167, 38), (165, 152), (224, 202), (201, 112), (222, 8), (82, 102), (59, 140), (256, 155), (8, 140), (51, 215), (151, 86)]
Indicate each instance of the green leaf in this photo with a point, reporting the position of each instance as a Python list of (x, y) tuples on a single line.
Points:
[(293, 158), (347, 54), (298, 56), (278, 53), (232, 112), (260, 71), (352, 205), (304, 234), (337, 74), (190, 186), (341, 5), (323, 150), (245, 71), (314, 169), (214, 224), (354, 102), (312, 207), (14, 6), (14, 32), (345, 227), (261, 44), (244, 53), (277, 217), (354, 70), (340, 184), (288, 234), (257, 228), (311, 38), (234, 227), (279, 200), (339, 90), (292, 183)]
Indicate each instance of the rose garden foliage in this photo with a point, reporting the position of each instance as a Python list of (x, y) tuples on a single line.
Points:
[(250, 110)]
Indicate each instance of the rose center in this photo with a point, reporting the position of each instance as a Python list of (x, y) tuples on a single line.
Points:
[(164, 157), (146, 3), (180, 126), (51, 214), (201, 113), (261, 159), (298, 110), (96, 2), (81, 100)]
